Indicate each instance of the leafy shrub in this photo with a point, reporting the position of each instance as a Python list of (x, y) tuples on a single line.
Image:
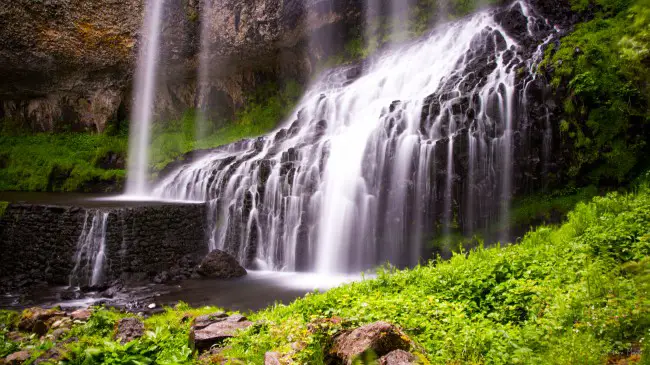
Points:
[(603, 65), (553, 298)]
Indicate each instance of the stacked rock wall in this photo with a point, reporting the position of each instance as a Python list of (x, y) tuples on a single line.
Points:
[(38, 243)]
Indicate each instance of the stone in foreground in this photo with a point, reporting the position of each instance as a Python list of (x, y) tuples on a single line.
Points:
[(17, 357), (205, 320), (398, 357), (272, 358), (128, 329), (379, 338), (81, 314), (218, 264), (204, 338)]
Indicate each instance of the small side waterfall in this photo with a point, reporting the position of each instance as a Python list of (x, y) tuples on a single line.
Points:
[(144, 91), (423, 140), (90, 254)]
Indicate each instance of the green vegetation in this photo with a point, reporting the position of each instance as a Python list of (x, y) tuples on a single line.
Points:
[(422, 16), (603, 66), (263, 111), (3, 208), (548, 207), (571, 294), (58, 162), (82, 162)]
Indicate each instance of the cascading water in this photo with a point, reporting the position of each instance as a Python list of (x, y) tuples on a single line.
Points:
[(144, 91), (90, 254), (375, 162), (205, 64)]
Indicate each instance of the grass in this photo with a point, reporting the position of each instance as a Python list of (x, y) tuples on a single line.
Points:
[(570, 294)]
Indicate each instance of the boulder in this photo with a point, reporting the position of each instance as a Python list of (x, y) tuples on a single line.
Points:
[(379, 338), (203, 339), (203, 321), (218, 264), (34, 319), (81, 314), (57, 334), (129, 329), (17, 358), (62, 323), (398, 357), (272, 358), (51, 356)]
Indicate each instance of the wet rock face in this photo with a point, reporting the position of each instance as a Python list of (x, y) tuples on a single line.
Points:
[(68, 64)]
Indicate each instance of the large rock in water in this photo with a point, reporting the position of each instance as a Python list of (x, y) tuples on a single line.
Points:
[(218, 264), (379, 338)]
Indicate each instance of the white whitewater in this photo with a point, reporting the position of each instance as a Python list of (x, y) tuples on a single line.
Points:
[(90, 254), (366, 168), (144, 96)]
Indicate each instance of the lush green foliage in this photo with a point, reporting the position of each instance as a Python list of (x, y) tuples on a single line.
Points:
[(566, 295), (263, 111), (7, 320), (603, 64), (165, 340), (574, 294), (548, 207), (74, 161), (57, 162)]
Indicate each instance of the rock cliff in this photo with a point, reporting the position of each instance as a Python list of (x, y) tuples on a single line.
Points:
[(68, 64)]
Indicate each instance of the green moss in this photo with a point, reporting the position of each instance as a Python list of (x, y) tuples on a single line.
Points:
[(58, 162), (3, 208), (603, 64), (263, 111)]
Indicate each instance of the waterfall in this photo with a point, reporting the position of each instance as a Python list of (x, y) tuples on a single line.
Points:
[(144, 91), (375, 161), (90, 254), (204, 74)]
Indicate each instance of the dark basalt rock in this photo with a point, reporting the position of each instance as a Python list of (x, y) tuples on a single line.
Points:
[(219, 264)]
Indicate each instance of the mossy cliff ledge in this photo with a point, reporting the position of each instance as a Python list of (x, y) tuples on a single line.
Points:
[(68, 64)]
